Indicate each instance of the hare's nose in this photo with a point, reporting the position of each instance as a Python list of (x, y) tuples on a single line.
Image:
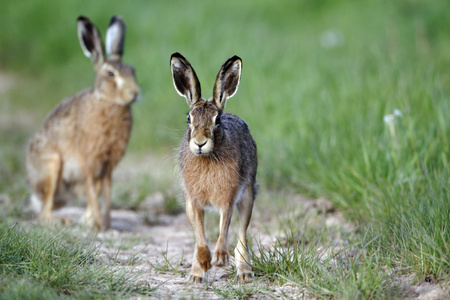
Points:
[(200, 145), (135, 95)]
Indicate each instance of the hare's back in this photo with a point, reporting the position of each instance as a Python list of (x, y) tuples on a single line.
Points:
[(238, 135), (64, 117), (237, 130), (84, 124)]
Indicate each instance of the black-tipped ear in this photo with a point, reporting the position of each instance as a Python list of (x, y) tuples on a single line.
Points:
[(184, 79), (227, 81), (90, 40), (115, 37)]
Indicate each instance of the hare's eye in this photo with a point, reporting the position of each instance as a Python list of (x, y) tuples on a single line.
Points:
[(110, 74), (218, 120), (189, 119)]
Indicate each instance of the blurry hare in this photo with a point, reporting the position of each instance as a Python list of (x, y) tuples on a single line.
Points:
[(218, 163), (85, 136)]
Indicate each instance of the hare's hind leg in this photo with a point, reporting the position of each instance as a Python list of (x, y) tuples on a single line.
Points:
[(201, 262), (48, 183), (245, 207)]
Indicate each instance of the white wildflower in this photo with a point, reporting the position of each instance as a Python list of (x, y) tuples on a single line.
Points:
[(398, 113), (331, 38), (389, 119)]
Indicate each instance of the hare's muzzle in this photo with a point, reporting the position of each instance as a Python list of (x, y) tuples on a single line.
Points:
[(201, 146), (135, 95)]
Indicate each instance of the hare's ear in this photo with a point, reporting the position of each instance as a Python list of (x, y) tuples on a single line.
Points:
[(184, 79), (90, 40), (115, 36), (227, 81)]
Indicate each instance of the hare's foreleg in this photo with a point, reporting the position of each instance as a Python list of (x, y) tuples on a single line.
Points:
[(245, 207), (51, 167), (92, 216), (221, 257), (202, 256), (106, 197)]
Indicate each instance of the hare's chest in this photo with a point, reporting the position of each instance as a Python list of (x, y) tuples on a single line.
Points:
[(210, 183), (72, 169), (106, 133), (76, 170)]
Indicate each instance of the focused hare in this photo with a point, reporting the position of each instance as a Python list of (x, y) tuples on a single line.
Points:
[(85, 136), (218, 163)]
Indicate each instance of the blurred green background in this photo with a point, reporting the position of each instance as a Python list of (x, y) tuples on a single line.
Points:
[(321, 81)]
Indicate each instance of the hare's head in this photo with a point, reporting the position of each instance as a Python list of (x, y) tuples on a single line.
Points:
[(204, 117), (115, 80)]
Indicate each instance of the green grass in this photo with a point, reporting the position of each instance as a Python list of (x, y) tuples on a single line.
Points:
[(318, 79), (169, 265), (318, 271), (341, 273), (47, 264)]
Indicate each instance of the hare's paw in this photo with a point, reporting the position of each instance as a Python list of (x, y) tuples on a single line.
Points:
[(204, 258), (92, 220), (244, 277), (244, 271), (221, 258), (195, 279), (88, 221), (65, 221)]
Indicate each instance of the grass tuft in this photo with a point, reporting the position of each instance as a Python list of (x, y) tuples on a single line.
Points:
[(326, 272), (55, 265)]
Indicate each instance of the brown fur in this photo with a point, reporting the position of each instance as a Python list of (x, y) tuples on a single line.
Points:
[(218, 163), (86, 135)]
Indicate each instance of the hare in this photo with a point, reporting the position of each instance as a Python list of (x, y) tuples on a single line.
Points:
[(218, 162), (85, 136)]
